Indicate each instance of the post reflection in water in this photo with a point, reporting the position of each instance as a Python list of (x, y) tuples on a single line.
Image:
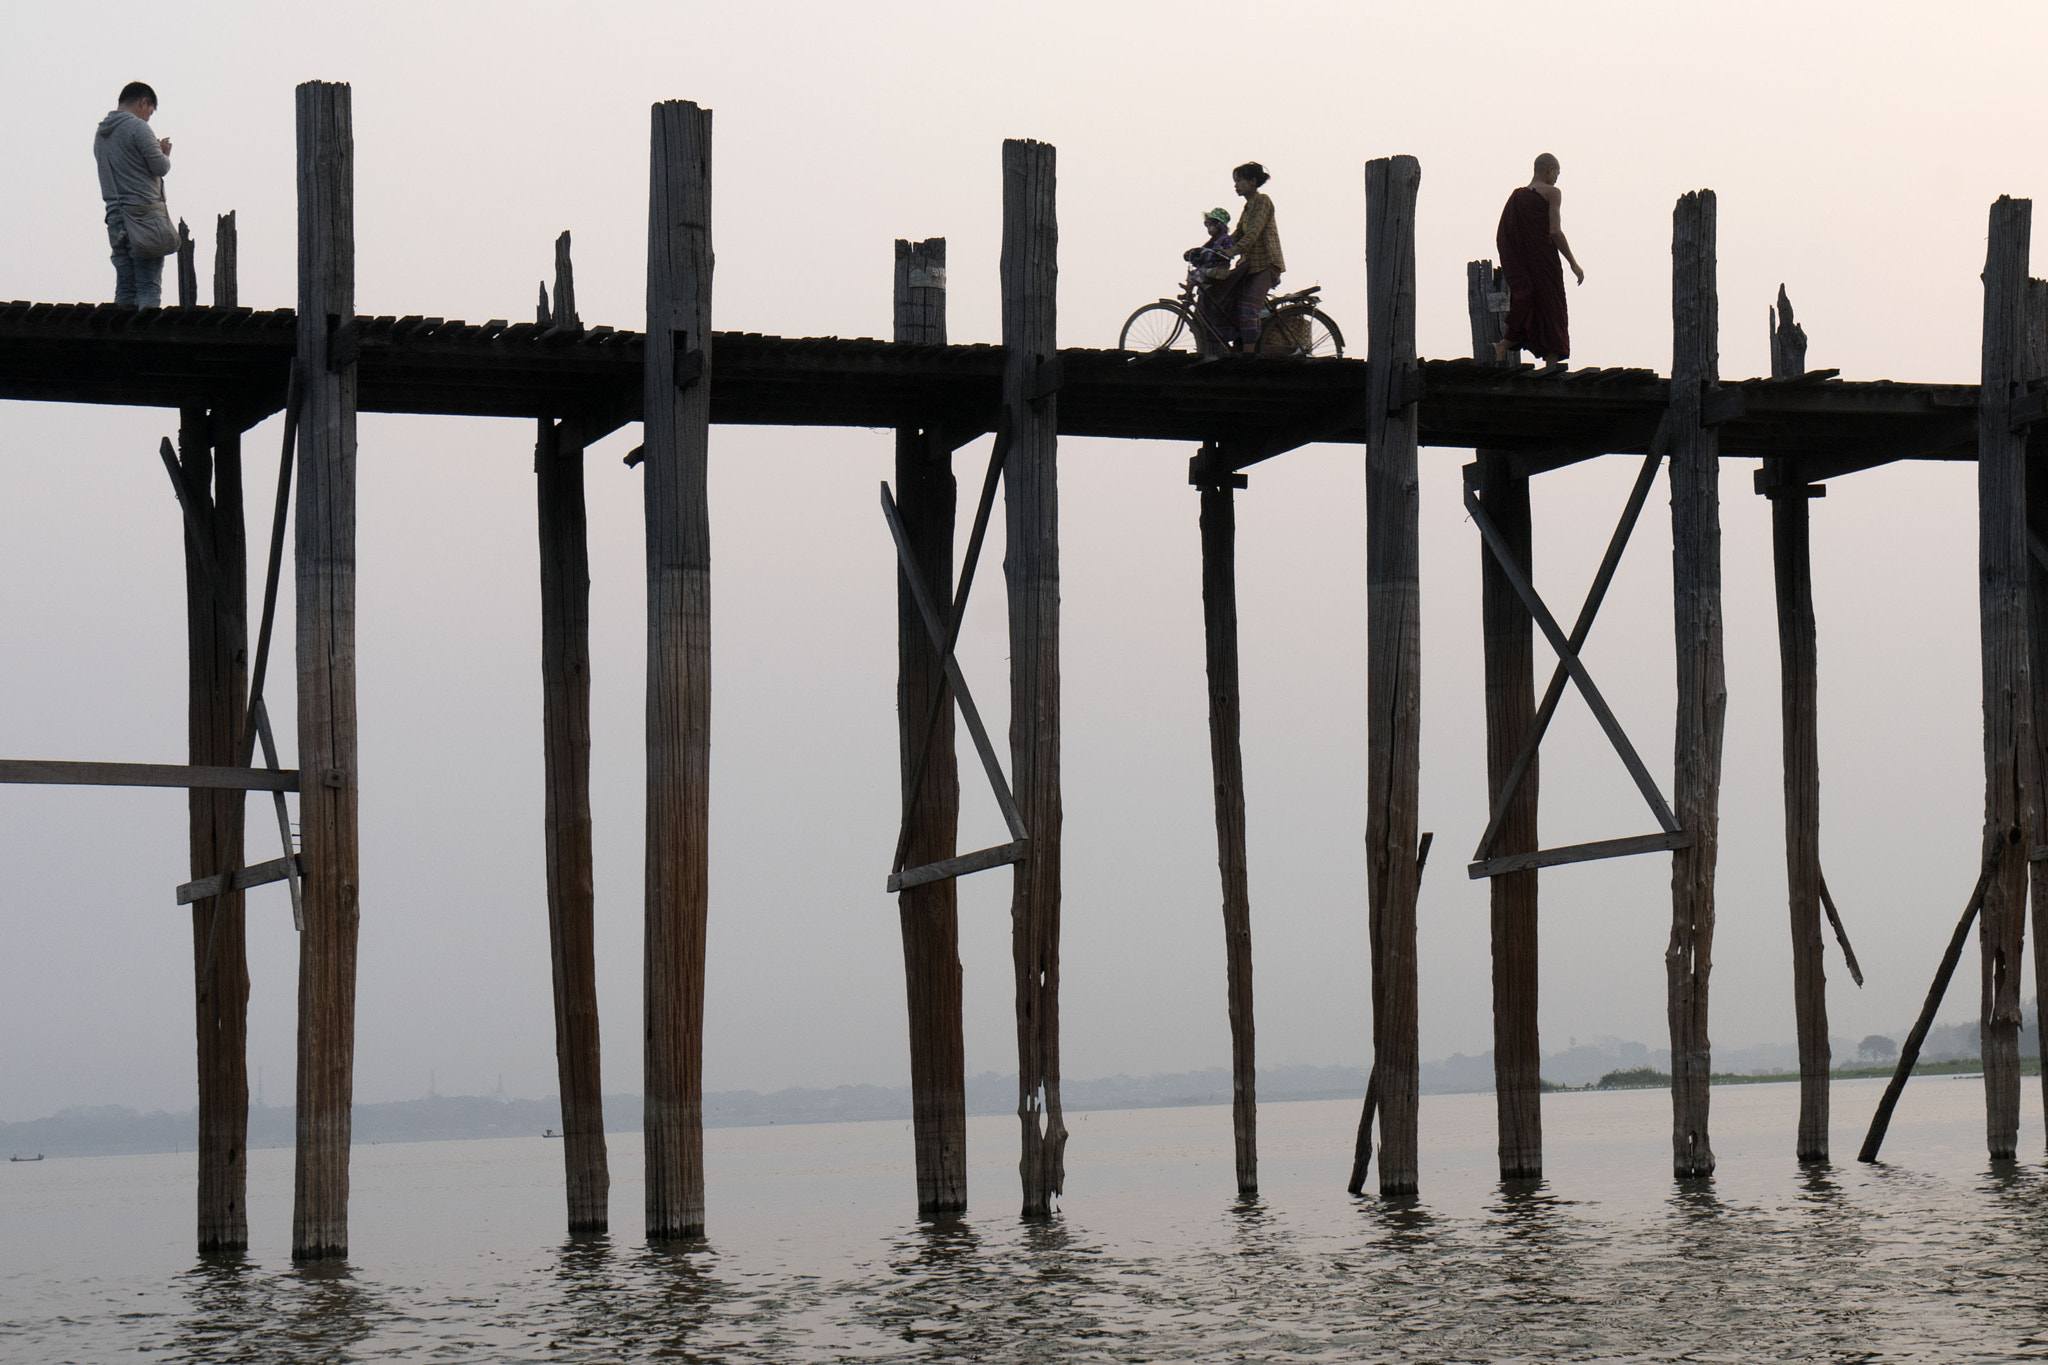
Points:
[(1535, 1242), (241, 1312), (675, 1307), (226, 1301), (1935, 1256), (939, 1295), (328, 1308), (592, 1294), (1254, 1231), (1409, 1224)]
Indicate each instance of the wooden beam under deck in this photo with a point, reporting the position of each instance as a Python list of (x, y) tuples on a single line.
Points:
[(236, 360)]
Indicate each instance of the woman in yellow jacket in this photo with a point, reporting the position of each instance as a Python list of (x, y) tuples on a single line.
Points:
[(1257, 246)]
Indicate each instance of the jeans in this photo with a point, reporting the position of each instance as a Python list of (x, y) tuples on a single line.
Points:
[(138, 283)]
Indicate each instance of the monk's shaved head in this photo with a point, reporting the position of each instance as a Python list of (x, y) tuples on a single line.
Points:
[(1545, 162)]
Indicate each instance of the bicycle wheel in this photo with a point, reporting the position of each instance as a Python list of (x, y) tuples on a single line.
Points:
[(1158, 326), (1301, 331)]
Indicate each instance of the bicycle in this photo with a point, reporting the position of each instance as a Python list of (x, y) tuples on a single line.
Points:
[(1293, 326)]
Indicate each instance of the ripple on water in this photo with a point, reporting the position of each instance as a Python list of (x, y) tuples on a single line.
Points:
[(1938, 1256)]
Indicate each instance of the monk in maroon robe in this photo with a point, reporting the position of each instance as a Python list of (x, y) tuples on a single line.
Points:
[(1530, 239)]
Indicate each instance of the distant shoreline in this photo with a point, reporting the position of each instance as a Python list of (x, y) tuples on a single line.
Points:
[(116, 1131), (1658, 1080)]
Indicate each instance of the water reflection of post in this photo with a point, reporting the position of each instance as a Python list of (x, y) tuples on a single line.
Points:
[(1830, 1223), (326, 1308), (591, 1289), (1257, 1233), (238, 1311), (226, 1301), (670, 1312), (1537, 1255), (939, 1276)]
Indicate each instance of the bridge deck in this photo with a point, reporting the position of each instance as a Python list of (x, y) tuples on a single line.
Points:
[(237, 359)]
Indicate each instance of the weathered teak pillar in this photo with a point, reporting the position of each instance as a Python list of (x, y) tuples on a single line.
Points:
[(210, 463), (678, 413), (1508, 636), (2037, 644), (925, 500), (325, 573), (1226, 762), (1030, 272), (1393, 656), (2002, 585), (565, 729), (188, 268), (1702, 684), (1792, 564)]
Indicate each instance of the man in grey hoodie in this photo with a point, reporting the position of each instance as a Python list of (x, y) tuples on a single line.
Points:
[(133, 162)]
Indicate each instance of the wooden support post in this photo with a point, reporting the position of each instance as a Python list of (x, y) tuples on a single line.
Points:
[(188, 270), (1702, 683), (678, 411), (929, 913), (1792, 564), (1030, 270), (1393, 659), (325, 574), (1510, 649), (210, 464), (565, 730), (226, 262), (2036, 369), (1226, 764), (2002, 585)]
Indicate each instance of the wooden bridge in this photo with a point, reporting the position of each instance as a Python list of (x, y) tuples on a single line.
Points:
[(226, 368)]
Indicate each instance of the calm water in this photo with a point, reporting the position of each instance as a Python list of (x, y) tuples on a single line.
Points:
[(458, 1253)]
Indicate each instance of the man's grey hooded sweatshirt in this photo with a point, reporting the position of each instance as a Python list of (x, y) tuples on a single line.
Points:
[(131, 160)]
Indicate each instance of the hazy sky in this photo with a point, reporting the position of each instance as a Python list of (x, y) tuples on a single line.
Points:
[(1855, 148)]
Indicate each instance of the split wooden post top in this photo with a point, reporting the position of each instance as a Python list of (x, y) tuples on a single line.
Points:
[(677, 384), (216, 614), (565, 739), (325, 577), (928, 912), (1792, 572), (1509, 660)]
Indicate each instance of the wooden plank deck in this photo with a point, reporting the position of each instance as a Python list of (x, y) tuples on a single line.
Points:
[(237, 358)]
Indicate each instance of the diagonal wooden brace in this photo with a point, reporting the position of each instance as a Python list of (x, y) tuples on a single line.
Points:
[(262, 874), (198, 512), (998, 454), (941, 638), (1581, 629), (1577, 853), (1568, 660)]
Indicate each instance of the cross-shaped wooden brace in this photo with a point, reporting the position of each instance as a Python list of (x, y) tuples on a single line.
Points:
[(1570, 665), (944, 636)]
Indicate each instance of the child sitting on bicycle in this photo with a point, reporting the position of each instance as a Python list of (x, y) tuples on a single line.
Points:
[(1209, 273)]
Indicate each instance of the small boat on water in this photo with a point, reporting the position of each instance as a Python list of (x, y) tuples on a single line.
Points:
[(551, 1133), (37, 1157)]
